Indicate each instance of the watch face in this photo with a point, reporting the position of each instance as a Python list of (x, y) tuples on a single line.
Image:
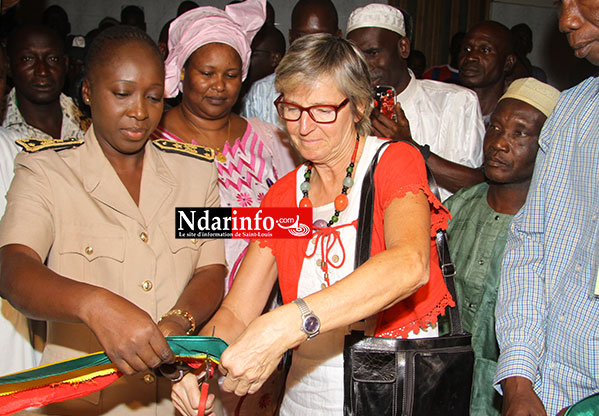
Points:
[(311, 324)]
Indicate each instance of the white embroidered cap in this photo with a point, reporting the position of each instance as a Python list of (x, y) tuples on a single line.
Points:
[(377, 15)]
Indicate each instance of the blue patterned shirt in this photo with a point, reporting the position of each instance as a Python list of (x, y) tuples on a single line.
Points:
[(259, 102), (547, 314)]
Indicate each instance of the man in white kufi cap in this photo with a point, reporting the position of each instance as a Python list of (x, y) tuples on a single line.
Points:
[(443, 120), (481, 216)]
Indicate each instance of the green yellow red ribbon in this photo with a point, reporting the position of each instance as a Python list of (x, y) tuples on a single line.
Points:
[(84, 375)]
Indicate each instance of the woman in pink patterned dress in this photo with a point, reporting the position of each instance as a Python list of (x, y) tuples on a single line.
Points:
[(208, 61)]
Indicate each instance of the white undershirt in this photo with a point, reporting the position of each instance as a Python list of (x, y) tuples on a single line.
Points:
[(315, 380)]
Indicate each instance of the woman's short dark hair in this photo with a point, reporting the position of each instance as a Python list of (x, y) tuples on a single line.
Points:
[(116, 34), (313, 56)]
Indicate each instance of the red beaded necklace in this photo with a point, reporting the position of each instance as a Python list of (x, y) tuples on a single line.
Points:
[(341, 201)]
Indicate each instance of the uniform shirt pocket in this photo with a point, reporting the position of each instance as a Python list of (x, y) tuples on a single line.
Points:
[(186, 251), (91, 254)]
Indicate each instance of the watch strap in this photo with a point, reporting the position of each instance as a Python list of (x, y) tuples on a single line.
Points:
[(303, 307)]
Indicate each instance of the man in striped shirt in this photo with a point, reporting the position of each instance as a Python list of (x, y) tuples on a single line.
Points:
[(547, 307)]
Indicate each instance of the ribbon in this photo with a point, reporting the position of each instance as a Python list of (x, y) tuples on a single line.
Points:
[(81, 376)]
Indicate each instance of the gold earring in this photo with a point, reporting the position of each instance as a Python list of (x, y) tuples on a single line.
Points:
[(182, 76)]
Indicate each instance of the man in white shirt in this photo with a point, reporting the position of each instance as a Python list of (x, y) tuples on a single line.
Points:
[(443, 120)]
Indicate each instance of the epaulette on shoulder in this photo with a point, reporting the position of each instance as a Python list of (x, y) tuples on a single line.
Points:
[(193, 150), (35, 145)]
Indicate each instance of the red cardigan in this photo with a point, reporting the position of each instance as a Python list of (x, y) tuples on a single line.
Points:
[(400, 170)]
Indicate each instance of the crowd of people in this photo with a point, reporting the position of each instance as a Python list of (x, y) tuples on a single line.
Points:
[(104, 135)]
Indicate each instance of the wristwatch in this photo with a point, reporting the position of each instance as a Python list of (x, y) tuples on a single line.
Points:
[(310, 322)]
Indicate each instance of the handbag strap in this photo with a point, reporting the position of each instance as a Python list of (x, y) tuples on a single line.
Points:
[(364, 236)]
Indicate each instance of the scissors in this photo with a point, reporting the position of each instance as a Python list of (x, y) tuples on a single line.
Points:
[(177, 370), (203, 384)]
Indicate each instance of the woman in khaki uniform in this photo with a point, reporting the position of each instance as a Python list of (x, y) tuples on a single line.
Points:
[(101, 214)]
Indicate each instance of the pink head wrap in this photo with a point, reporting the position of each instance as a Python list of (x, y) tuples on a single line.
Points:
[(236, 26)]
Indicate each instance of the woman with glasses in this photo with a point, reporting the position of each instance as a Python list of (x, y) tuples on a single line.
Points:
[(325, 101), (209, 55)]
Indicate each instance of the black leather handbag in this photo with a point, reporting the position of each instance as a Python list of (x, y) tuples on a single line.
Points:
[(408, 377)]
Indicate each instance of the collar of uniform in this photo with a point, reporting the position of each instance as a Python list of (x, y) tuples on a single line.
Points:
[(93, 166), (154, 159), (102, 182), (158, 182), (409, 91), (91, 163)]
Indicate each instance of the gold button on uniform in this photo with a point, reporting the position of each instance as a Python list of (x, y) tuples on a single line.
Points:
[(335, 258), (144, 237), (147, 285), (89, 250), (149, 378)]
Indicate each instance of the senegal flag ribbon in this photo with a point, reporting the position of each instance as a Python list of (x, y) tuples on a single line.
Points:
[(84, 375)]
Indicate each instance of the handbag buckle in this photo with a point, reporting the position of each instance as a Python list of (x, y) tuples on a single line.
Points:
[(448, 269)]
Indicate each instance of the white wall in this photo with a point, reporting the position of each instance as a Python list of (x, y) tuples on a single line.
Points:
[(542, 21), (550, 47), (86, 14)]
